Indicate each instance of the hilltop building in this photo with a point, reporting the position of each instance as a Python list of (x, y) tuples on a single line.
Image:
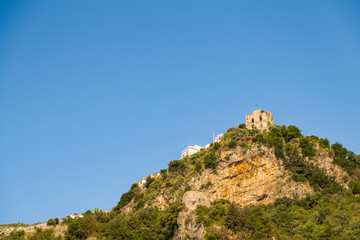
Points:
[(218, 138), (189, 150), (142, 181), (259, 119)]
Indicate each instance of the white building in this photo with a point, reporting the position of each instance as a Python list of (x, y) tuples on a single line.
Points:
[(142, 182), (190, 150), (218, 138), (75, 215)]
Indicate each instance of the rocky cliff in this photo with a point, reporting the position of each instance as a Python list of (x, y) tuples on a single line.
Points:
[(251, 175)]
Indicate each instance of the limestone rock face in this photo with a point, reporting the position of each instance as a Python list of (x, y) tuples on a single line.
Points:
[(247, 175), (251, 176), (188, 229), (324, 160)]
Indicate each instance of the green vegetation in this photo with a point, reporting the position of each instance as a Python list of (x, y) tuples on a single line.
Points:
[(47, 234), (307, 148), (233, 133), (212, 214), (210, 160), (15, 235), (331, 213), (293, 149), (81, 228), (310, 218), (207, 185), (344, 158), (125, 199), (324, 143), (13, 225), (145, 223), (52, 222), (318, 216)]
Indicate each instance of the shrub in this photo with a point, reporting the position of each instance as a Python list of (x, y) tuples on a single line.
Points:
[(231, 143), (244, 146), (87, 212), (277, 143), (233, 133), (215, 145), (163, 171), (133, 186), (145, 223), (81, 228), (344, 158), (307, 147), (198, 167), (124, 199), (148, 182), (355, 186), (176, 166), (291, 133), (259, 139), (324, 143), (16, 234), (210, 160), (44, 235), (210, 236), (242, 126), (51, 222)]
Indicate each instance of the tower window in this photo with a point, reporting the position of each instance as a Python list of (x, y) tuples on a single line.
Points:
[(260, 118), (252, 120)]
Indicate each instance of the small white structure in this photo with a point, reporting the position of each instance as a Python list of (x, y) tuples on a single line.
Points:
[(189, 150), (155, 175), (75, 215), (142, 182), (218, 138)]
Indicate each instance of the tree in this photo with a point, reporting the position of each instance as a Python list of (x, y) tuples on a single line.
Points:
[(292, 132), (307, 147), (51, 222)]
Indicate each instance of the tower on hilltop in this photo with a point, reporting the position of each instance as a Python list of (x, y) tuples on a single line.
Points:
[(259, 119)]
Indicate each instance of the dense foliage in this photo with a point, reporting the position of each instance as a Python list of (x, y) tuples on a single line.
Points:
[(318, 216), (293, 149), (346, 159), (146, 223), (52, 221), (40, 234)]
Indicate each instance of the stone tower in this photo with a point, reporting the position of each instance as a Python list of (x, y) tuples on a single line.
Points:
[(259, 119)]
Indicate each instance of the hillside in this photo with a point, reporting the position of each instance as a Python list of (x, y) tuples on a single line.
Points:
[(274, 184)]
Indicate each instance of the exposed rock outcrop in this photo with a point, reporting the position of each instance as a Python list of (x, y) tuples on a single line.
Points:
[(246, 176)]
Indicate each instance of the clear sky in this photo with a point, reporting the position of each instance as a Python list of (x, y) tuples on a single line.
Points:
[(95, 95)]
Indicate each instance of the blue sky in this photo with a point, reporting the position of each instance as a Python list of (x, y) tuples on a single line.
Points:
[(95, 95)]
